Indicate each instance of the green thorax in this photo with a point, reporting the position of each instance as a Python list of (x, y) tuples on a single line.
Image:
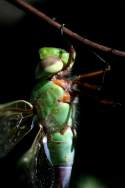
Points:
[(52, 114)]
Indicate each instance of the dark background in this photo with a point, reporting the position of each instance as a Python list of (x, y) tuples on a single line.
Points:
[(100, 145)]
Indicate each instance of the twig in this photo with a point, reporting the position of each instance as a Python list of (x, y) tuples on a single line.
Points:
[(27, 7)]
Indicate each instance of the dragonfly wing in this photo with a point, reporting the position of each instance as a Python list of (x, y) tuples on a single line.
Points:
[(15, 123)]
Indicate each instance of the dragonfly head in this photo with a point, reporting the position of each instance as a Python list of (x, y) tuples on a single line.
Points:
[(52, 61)]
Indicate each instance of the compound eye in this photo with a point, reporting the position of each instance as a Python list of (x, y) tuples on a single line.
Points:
[(48, 61), (52, 64)]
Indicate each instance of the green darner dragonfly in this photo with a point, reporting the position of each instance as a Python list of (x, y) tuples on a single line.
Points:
[(52, 108)]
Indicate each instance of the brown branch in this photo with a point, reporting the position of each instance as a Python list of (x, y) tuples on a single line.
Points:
[(27, 7)]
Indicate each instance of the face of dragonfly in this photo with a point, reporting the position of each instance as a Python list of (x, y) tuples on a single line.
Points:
[(67, 67), (54, 61)]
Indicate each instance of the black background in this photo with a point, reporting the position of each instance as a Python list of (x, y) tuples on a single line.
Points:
[(100, 145)]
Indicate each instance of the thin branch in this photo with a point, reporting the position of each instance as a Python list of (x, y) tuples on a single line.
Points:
[(27, 7)]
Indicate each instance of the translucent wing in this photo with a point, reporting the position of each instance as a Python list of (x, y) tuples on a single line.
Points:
[(15, 123), (34, 168)]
